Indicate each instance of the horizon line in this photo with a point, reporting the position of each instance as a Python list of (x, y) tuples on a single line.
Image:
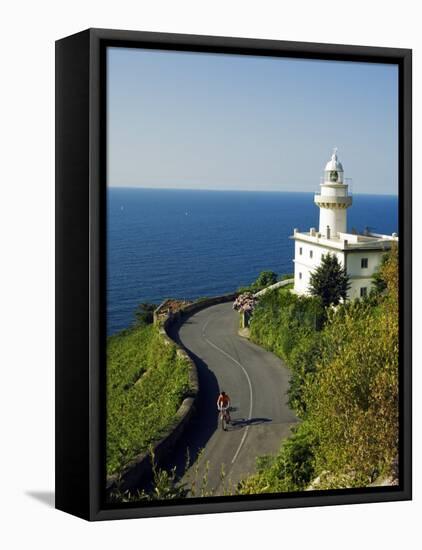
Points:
[(234, 190)]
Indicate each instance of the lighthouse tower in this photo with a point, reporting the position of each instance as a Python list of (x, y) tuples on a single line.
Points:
[(333, 201)]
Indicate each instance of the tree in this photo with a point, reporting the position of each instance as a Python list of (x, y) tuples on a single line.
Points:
[(386, 276), (352, 402), (329, 281), (144, 314), (266, 278), (378, 282)]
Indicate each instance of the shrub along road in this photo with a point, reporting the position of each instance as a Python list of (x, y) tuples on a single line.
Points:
[(257, 383)]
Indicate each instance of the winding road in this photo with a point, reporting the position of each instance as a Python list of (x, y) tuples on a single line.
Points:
[(257, 383)]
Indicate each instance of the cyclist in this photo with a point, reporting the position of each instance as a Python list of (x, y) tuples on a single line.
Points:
[(223, 404)]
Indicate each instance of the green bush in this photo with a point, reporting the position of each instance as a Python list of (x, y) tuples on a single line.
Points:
[(379, 285), (352, 404), (286, 276), (344, 385), (282, 319), (144, 314), (265, 278), (292, 469), (303, 361)]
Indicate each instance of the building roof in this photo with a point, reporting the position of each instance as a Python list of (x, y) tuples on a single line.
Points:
[(348, 241), (334, 163)]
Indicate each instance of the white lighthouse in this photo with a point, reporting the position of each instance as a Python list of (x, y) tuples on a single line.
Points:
[(334, 200), (360, 254)]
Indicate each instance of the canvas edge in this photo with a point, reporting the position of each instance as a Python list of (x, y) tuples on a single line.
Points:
[(98, 38)]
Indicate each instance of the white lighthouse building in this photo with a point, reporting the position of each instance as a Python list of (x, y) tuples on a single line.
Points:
[(360, 254)]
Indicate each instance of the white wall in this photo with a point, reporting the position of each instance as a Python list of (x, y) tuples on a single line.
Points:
[(356, 285), (302, 275), (354, 262), (335, 218), (361, 277), (27, 285), (304, 264)]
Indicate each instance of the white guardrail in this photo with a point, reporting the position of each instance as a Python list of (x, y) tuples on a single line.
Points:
[(273, 287)]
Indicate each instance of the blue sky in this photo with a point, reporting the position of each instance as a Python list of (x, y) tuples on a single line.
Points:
[(213, 121)]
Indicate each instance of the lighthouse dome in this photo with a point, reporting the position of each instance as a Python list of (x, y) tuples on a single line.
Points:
[(334, 163)]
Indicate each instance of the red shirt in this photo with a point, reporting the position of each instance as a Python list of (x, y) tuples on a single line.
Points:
[(223, 401)]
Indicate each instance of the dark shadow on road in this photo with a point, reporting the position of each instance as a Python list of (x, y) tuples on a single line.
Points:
[(237, 424), (205, 418)]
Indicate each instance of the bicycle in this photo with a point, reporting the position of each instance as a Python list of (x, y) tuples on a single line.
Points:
[(224, 417)]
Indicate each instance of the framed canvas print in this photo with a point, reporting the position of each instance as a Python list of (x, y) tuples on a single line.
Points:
[(233, 274)]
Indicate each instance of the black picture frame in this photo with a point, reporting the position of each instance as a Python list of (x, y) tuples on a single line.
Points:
[(80, 269)]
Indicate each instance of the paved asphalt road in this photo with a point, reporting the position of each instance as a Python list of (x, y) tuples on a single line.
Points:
[(257, 383)]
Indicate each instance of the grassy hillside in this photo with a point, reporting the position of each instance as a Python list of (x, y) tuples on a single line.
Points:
[(344, 386), (146, 383)]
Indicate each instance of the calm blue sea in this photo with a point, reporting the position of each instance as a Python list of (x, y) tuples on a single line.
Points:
[(189, 244)]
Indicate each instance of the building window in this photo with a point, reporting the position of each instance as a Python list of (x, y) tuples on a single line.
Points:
[(300, 275), (300, 251), (363, 291), (311, 253), (364, 263)]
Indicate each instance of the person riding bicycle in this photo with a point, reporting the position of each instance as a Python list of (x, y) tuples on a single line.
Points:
[(223, 404)]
